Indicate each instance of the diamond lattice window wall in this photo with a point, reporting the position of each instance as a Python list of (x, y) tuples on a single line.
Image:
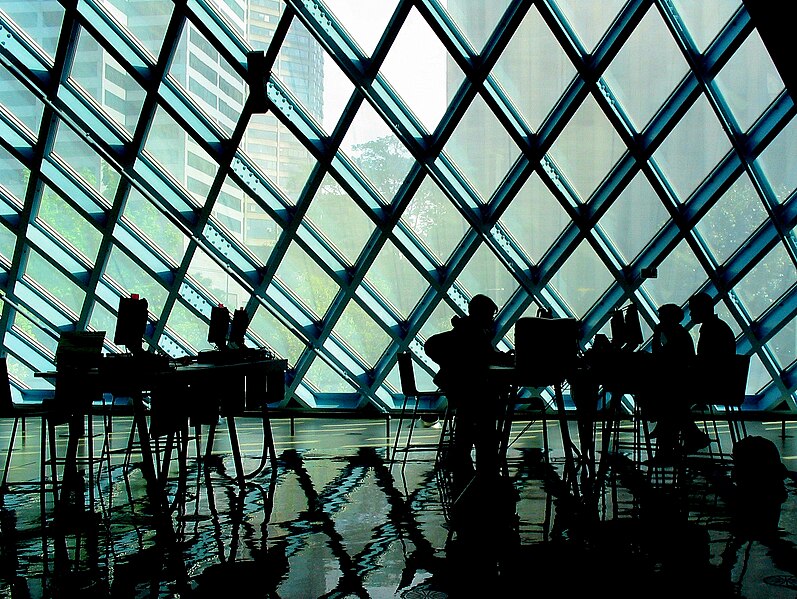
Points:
[(351, 172)]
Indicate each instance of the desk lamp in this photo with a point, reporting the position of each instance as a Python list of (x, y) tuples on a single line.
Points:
[(131, 322)]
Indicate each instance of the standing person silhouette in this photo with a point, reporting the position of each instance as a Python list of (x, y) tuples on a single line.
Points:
[(716, 346), (464, 354), (675, 352), (716, 340)]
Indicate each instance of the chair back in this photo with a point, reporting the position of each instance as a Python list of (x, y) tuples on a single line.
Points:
[(407, 374), (734, 390)]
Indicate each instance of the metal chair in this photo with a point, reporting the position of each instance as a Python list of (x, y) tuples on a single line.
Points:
[(724, 385), (32, 405), (410, 392)]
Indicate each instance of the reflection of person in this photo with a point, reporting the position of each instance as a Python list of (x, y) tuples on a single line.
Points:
[(675, 352), (464, 354)]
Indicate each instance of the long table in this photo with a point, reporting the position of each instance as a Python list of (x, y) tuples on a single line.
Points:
[(166, 396)]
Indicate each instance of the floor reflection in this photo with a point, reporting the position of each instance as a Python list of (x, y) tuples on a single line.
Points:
[(334, 519)]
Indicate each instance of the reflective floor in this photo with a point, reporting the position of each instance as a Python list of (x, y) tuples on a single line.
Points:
[(336, 519)]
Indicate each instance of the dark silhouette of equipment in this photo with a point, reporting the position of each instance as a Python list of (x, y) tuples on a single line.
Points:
[(240, 323), (219, 326), (131, 322)]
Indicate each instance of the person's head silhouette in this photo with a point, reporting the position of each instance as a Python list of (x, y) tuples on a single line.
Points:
[(671, 314), (482, 309), (701, 307)]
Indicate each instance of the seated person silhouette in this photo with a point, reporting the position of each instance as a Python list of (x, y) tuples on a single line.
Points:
[(672, 345), (464, 354)]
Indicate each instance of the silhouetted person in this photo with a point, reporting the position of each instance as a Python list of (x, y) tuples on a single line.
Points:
[(675, 352), (716, 340), (464, 354), (716, 347)]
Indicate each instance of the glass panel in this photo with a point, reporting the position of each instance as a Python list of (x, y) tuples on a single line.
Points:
[(361, 333), (364, 20), (167, 143), (582, 279), (732, 219), (145, 20), (273, 332), (302, 66), (40, 20), (150, 221), (634, 218), (95, 171), (262, 22), (396, 279), (322, 377), (341, 221), (377, 152), (535, 218), (438, 321), (188, 326), (260, 231), (417, 68), (20, 102), (587, 148), (486, 275), (704, 19), (533, 69), (56, 283), (13, 174), (679, 276), (208, 79), (750, 81), (767, 281), (69, 224), (107, 82), (481, 148), (435, 220), (779, 161), (228, 208), (590, 18), (692, 149), (217, 281), (337, 93), (649, 60), (476, 18), (784, 344), (134, 279), (8, 241), (308, 281), (278, 153), (103, 320)]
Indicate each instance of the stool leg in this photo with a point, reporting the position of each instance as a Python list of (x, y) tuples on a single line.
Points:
[(8, 454)]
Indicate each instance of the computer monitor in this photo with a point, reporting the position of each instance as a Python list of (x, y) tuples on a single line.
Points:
[(219, 326), (79, 349), (240, 323), (131, 322), (545, 349)]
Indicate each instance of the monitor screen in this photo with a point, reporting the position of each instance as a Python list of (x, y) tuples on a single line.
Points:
[(219, 325), (79, 349), (240, 323), (131, 322)]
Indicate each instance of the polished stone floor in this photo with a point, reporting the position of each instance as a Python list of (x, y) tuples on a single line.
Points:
[(336, 519)]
